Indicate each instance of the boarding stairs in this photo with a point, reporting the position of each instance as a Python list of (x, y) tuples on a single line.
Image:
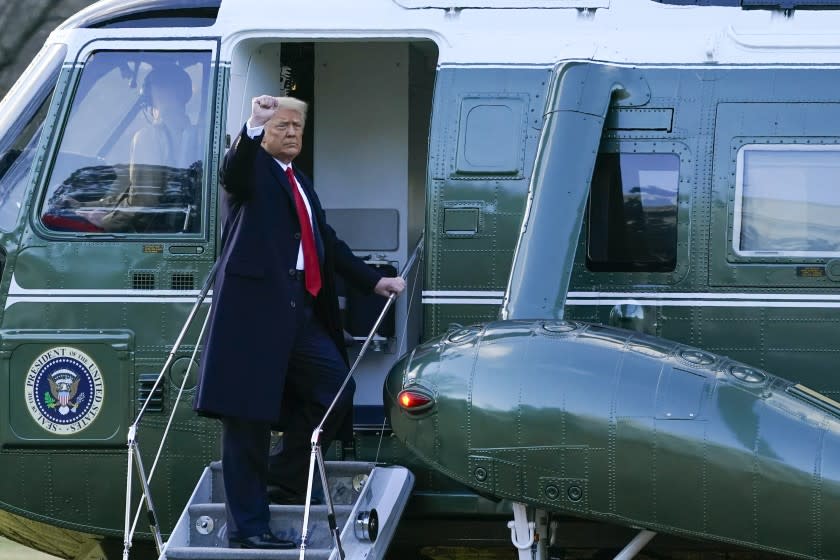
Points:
[(363, 501), (368, 500)]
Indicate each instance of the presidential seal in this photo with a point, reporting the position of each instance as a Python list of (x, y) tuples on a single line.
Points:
[(64, 390)]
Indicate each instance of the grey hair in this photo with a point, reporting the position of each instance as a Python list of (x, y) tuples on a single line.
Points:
[(293, 104)]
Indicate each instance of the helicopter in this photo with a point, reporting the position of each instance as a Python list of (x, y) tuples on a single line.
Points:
[(641, 186)]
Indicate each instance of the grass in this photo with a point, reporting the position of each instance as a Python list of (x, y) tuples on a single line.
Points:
[(12, 551)]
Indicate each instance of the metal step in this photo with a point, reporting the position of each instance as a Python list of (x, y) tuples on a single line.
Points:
[(286, 522), (340, 475), (205, 553), (355, 487)]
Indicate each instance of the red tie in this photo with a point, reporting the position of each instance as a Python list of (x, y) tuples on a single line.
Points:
[(311, 268)]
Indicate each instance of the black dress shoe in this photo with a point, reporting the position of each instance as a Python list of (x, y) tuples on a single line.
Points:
[(266, 540)]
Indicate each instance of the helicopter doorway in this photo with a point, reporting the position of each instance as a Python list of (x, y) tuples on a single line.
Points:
[(366, 149)]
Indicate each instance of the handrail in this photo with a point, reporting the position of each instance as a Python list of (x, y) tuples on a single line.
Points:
[(133, 446), (316, 455)]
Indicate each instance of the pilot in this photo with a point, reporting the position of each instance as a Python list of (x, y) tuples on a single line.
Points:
[(275, 355), (167, 143), (156, 195)]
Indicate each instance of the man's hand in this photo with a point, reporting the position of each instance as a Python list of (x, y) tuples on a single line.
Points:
[(262, 109), (387, 286)]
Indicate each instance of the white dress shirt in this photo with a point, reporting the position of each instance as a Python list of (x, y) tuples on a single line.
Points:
[(253, 132)]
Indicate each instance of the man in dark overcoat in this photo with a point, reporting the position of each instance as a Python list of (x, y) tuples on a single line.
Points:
[(275, 353)]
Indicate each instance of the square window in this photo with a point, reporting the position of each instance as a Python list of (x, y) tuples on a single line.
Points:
[(787, 201)]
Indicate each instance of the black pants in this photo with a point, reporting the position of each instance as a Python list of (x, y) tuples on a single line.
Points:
[(315, 373)]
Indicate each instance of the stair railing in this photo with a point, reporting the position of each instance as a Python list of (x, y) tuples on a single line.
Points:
[(316, 456), (134, 458)]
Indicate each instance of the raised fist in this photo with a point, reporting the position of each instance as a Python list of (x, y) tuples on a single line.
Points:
[(262, 109)]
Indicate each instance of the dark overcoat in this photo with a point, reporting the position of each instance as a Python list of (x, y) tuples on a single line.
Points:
[(251, 329)]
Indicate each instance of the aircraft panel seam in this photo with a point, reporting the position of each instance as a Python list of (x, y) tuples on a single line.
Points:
[(709, 303), (703, 295)]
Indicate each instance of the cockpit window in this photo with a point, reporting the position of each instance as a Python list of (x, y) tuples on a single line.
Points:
[(787, 201), (131, 158), (22, 116), (633, 213)]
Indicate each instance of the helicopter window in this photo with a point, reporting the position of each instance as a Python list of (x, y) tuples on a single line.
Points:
[(633, 213), (131, 158), (187, 17), (787, 201), (23, 114)]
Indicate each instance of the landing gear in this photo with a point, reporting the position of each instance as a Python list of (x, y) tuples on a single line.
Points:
[(112, 549), (534, 537), (525, 535), (636, 545)]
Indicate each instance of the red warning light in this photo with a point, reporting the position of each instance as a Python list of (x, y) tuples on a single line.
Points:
[(412, 400)]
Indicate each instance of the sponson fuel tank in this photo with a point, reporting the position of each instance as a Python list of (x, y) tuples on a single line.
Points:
[(615, 425)]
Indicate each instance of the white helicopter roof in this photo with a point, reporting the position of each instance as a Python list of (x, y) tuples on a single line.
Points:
[(504, 32)]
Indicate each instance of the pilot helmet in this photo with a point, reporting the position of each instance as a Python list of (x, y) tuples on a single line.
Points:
[(169, 76)]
